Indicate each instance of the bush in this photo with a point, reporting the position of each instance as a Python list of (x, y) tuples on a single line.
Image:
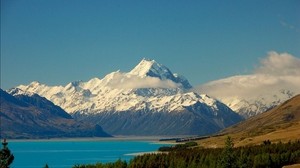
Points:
[(165, 148)]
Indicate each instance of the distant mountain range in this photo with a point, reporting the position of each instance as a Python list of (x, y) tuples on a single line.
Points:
[(281, 117), (249, 95), (27, 115), (273, 81), (148, 100), (152, 100)]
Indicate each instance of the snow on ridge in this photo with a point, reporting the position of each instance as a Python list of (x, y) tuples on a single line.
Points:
[(149, 86), (147, 66), (151, 69), (108, 99), (274, 80), (250, 95), (41, 89), (143, 67), (17, 91)]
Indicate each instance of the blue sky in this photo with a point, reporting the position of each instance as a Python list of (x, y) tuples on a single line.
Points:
[(59, 41)]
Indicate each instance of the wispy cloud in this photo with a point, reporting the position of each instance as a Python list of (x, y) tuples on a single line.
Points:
[(290, 26), (125, 81), (276, 71)]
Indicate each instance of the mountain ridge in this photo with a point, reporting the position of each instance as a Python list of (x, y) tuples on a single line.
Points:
[(249, 95), (105, 89), (30, 116), (150, 90)]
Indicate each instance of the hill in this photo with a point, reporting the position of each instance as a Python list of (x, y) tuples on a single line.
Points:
[(279, 124), (32, 116)]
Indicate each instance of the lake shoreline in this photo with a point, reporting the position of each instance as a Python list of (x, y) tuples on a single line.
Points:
[(144, 153), (154, 139)]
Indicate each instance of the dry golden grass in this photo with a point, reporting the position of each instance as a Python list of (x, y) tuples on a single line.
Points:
[(279, 124), (292, 166), (240, 139)]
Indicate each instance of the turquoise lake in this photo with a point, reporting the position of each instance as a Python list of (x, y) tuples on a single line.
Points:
[(58, 154)]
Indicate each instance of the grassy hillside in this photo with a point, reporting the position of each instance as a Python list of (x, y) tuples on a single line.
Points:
[(279, 124)]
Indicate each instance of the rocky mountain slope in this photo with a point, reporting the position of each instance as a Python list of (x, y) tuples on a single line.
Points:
[(282, 123), (28, 115), (148, 100)]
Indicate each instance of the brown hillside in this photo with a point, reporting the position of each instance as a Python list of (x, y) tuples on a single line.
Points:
[(279, 117), (279, 124)]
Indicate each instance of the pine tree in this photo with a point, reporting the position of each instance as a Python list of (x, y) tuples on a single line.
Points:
[(227, 157), (242, 161), (6, 157)]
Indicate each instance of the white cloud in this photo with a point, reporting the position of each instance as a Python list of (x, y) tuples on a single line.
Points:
[(126, 81), (275, 72), (279, 65)]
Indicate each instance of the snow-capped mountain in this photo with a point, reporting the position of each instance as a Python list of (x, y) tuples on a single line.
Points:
[(27, 115), (148, 100), (249, 95), (273, 81)]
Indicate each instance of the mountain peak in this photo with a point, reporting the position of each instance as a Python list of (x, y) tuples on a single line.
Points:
[(18, 91), (147, 67), (150, 68), (35, 83)]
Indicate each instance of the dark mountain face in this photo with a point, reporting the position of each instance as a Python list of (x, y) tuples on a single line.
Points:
[(42, 103), (35, 117), (194, 120)]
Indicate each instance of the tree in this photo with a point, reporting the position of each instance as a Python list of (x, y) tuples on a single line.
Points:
[(267, 142), (242, 160), (227, 156), (120, 164), (6, 157)]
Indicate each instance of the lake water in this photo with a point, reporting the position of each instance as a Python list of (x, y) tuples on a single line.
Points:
[(59, 154)]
